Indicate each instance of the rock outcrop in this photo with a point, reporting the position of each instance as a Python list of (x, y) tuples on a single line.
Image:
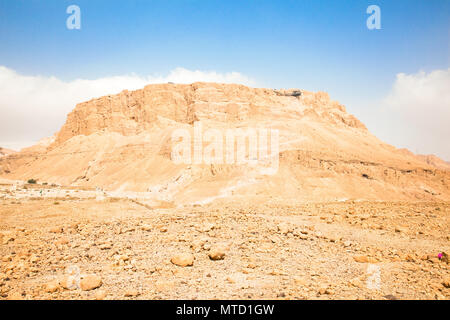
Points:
[(5, 152), (131, 113), (123, 143)]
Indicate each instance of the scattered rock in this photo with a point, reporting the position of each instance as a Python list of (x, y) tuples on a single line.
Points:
[(183, 259), (410, 258), (443, 257), (100, 295), (206, 227), (56, 230), (8, 238), (105, 246), (357, 283), (34, 258), (231, 280), (303, 236), (325, 290), (68, 283), (51, 287), (283, 228), (446, 282), (131, 293)]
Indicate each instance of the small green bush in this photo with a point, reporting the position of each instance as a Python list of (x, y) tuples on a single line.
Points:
[(32, 181)]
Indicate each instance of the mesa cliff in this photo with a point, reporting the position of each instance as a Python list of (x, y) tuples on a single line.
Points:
[(122, 143), (130, 113)]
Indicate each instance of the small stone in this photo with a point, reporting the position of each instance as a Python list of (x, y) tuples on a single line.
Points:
[(357, 283), (51, 286), (325, 290), (56, 230), (347, 243), (206, 227), (197, 244), (131, 293), (105, 246), (100, 295), (216, 254), (183, 259), (284, 228), (410, 258), (303, 237), (446, 282), (231, 280), (364, 259), (443, 257), (34, 258), (8, 239), (68, 282), (90, 282), (163, 229), (123, 257)]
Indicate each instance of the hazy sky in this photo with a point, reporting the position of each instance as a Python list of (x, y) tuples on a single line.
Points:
[(396, 79)]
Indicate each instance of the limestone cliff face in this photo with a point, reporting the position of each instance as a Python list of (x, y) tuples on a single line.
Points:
[(122, 143), (130, 113)]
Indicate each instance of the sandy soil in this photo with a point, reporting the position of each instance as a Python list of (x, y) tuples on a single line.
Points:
[(272, 250)]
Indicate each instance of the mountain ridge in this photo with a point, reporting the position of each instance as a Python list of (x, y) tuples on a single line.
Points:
[(122, 143)]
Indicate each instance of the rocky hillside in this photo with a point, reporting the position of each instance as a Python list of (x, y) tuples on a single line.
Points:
[(122, 143), (5, 152)]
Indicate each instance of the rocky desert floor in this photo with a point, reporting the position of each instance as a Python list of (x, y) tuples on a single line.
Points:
[(82, 247)]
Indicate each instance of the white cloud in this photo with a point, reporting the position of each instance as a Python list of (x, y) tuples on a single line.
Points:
[(417, 112), (32, 107)]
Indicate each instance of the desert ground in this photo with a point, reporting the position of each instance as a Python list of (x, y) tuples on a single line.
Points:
[(102, 211), (81, 246)]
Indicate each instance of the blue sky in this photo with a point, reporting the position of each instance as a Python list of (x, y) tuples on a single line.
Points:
[(313, 45)]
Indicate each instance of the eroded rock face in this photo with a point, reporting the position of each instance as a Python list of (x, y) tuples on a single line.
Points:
[(122, 143), (5, 152), (132, 112)]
